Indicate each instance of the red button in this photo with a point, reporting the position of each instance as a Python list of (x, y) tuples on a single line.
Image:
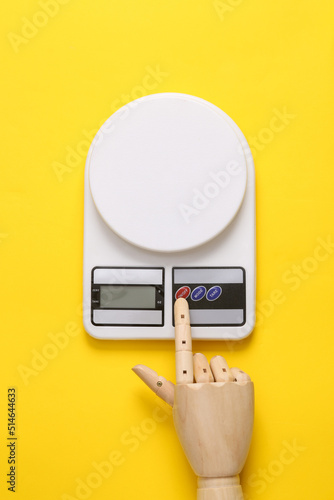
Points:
[(183, 292)]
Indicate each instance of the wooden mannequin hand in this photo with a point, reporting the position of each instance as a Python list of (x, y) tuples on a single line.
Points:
[(213, 408)]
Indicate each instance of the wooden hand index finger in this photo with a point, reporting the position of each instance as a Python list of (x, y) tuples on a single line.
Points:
[(183, 343)]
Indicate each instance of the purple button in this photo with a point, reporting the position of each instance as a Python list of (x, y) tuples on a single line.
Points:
[(198, 293), (214, 293)]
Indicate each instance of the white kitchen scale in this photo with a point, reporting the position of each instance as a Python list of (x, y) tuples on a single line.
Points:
[(169, 212)]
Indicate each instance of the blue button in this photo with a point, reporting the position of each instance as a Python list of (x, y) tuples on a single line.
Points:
[(198, 293), (214, 293)]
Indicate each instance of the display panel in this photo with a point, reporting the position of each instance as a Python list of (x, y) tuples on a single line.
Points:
[(127, 296)]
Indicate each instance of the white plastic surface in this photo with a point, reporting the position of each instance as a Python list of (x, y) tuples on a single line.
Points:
[(167, 178)]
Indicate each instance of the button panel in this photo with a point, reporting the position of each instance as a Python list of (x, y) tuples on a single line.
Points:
[(216, 296)]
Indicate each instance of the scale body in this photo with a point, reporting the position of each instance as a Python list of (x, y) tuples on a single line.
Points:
[(169, 212)]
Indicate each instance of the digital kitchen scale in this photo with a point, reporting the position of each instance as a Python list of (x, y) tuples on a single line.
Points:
[(169, 212)]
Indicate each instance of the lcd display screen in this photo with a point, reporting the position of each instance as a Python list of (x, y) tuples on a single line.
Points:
[(127, 296)]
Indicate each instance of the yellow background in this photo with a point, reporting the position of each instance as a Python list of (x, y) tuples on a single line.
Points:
[(66, 76)]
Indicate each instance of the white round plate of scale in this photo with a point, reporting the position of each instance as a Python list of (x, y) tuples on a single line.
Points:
[(153, 173)]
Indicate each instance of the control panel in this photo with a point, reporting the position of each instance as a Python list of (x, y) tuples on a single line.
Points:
[(216, 295)]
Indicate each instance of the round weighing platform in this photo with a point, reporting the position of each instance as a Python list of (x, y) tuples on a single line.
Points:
[(167, 172)]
